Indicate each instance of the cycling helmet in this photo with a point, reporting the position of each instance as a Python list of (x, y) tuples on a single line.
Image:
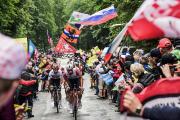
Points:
[(69, 67), (76, 63)]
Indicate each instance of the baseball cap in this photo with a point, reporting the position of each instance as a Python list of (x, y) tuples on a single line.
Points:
[(12, 58), (155, 53), (164, 43)]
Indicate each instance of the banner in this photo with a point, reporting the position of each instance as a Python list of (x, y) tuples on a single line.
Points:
[(70, 34), (158, 18), (91, 60), (77, 17), (24, 42), (64, 47), (100, 17), (95, 50)]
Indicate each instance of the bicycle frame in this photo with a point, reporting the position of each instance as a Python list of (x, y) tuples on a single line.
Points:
[(57, 97)]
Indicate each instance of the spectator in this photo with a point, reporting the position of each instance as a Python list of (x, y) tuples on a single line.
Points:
[(165, 46), (166, 111), (25, 94), (137, 55)]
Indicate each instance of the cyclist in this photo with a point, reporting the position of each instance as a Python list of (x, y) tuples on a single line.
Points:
[(55, 80), (73, 75)]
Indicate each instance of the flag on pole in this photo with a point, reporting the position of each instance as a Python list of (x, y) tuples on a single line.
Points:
[(158, 18), (36, 55), (70, 34), (116, 42), (77, 17), (105, 50), (114, 45), (100, 17), (32, 48), (50, 41)]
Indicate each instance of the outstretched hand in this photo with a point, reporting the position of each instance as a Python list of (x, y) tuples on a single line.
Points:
[(19, 112), (166, 70), (131, 102)]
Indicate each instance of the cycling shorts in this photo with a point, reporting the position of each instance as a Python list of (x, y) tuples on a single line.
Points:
[(74, 83), (55, 82)]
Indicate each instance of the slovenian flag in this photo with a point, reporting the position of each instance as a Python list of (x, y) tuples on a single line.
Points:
[(100, 17)]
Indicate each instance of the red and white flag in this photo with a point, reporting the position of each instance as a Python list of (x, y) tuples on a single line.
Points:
[(36, 55), (158, 18), (154, 19), (50, 41)]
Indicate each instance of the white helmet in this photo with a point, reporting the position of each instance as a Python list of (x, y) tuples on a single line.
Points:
[(69, 67)]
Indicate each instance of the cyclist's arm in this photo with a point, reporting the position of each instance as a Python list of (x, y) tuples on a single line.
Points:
[(80, 77), (50, 75), (65, 80), (61, 79), (81, 82)]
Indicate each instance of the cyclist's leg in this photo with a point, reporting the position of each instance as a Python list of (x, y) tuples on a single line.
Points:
[(71, 95), (51, 88), (79, 83), (42, 85), (71, 85), (59, 96)]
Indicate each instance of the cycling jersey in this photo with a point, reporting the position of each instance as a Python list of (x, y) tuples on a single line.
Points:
[(55, 78), (73, 73), (73, 77)]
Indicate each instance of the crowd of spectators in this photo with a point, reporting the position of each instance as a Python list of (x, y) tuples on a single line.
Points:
[(125, 80)]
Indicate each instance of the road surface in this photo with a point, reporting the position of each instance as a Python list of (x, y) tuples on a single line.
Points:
[(93, 108)]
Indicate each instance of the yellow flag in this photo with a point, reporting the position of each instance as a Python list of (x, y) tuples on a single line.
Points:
[(24, 42), (92, 60)]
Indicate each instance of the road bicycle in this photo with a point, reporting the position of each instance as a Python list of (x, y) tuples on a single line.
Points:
[(57, 97)]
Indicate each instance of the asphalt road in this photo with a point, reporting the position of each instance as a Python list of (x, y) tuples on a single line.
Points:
[(93, 108)]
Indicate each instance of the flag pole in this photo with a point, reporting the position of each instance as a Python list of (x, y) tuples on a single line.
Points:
[(118, 39)]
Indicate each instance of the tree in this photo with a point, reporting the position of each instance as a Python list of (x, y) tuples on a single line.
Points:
[(43, 20), (15, 17), (32, 18)]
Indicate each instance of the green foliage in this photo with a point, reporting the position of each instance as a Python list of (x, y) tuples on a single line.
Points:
[(32, 18)]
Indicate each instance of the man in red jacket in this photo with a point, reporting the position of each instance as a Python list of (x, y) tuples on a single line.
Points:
[(25, 93)]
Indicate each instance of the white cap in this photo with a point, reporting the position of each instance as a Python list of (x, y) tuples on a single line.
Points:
[(12, 58)]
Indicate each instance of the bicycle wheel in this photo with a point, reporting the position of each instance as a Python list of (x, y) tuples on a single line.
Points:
[(56, 103), (75, 112)]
